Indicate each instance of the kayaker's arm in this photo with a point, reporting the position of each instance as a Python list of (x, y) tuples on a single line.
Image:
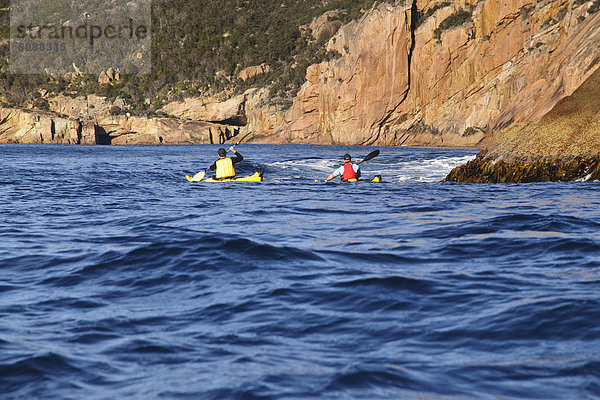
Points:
[(238, 157), (337, 172)]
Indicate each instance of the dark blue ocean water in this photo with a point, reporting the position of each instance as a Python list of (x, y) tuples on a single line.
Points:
[(121, 280)]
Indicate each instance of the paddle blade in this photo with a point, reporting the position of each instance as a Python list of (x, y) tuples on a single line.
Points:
[(198, 177), (370, 156)]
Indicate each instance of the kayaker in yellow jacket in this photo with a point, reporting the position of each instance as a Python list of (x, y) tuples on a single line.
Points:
[(224, 165)]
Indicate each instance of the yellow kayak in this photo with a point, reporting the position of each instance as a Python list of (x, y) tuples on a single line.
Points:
[(255, 177)]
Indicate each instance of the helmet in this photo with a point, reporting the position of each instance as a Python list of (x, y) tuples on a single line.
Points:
[(222, 152), (347, 157)]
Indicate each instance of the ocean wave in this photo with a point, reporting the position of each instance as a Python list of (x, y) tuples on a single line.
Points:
[(136, 284), (429, 169), (515, 223), (358, 380), (28, 377), (161, 261), (520, 321), (377, 284)]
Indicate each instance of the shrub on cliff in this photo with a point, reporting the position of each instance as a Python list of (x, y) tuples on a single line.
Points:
[(205, 43), (4, 19), (424, 15), (458, 18), (41, 104)]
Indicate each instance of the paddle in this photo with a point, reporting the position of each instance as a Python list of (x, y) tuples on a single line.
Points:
[(369, 156), (200, 175)]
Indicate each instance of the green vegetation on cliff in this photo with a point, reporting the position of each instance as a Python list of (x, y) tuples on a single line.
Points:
[(458, 18), (198, 48)]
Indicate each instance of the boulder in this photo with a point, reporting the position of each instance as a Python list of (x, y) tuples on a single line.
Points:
[(231, 111), (103, 78), (562, 145), (28, 126), (251, 72), (325, 26)]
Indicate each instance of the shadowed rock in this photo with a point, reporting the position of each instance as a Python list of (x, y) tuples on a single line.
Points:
[(563, 145)]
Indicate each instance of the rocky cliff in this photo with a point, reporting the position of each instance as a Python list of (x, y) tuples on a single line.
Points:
[(571, 129), (438, 73), (90, 121), (424, 72), (563, 145)]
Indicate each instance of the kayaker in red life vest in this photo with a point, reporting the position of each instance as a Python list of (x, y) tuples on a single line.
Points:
[(348, 171), (224, 165)]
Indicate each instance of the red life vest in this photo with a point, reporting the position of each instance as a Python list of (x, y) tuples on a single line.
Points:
[(348, 172)]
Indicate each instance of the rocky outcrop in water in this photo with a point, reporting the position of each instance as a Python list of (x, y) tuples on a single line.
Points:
[(92, 120), (563, 145), (26, 126), (483, 170)]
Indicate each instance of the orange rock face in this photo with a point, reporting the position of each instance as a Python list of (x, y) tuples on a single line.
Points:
[(563, 145), (343, 99), (398, 83), (571, 129), (429, 72)]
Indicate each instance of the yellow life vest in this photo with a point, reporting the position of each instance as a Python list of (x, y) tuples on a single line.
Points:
[(225, 168)]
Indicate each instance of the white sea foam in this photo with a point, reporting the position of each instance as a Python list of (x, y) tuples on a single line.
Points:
[(306, 165), (403, 170), (422, 170)]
